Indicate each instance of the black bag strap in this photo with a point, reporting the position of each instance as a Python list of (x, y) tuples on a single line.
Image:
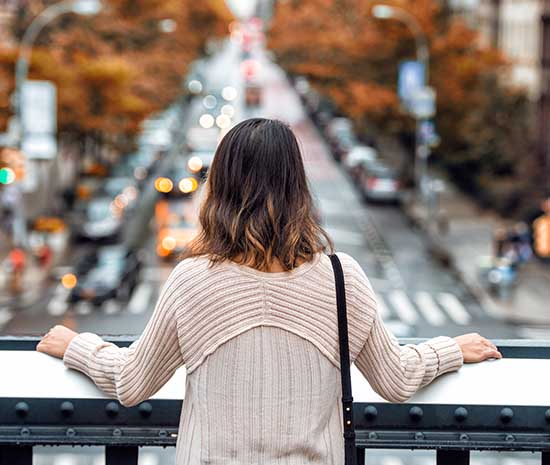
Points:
[(347, 398)]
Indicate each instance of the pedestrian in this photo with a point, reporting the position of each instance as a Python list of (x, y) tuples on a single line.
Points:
[(17, 260), (250, 311)]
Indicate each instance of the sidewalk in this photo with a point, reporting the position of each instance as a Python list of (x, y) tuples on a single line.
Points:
[(34, 276), (469, 238)]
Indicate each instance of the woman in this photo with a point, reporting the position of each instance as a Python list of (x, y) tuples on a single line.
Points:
[(250, 311)]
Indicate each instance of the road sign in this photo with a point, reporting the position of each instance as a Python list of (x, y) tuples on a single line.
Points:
[(422, 103), (541, 236), (412, 76), (39, 119)]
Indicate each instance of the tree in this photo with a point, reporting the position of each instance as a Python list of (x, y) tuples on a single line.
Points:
[(114, 70), (353, 59)]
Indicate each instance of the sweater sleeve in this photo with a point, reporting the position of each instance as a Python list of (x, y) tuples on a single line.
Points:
[(396, 372), (133, 374)]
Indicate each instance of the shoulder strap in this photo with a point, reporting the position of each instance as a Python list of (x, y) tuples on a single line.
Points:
[(347, 399)]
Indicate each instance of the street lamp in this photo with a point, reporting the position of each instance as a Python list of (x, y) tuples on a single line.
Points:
[(81, 7), (422, 151)]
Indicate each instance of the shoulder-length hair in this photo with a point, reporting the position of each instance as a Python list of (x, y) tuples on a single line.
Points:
[(257, 205)]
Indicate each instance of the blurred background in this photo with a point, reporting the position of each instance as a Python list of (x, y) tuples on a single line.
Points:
[(424, 125)]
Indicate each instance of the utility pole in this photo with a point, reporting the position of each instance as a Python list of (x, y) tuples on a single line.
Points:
[(495, 22)]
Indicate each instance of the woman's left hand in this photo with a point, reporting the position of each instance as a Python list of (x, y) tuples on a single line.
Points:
[(56, 341)]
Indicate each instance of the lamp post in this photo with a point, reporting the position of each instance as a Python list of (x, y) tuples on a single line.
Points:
[(81, 7), (422, 149)]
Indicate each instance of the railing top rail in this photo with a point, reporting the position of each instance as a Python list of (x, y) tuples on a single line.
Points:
[(510, 348)]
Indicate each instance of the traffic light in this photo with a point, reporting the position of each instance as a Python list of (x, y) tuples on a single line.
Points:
[(541, 236)]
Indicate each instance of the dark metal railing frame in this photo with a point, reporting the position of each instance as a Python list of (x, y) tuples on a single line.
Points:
[(452, 430)]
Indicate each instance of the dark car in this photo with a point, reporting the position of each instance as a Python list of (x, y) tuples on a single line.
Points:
[(379, 182), (100, 219), (115, 275)]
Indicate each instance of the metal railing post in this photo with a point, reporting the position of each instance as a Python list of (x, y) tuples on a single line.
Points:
[(15, 455), (360, 455), (453, 457), (121, 455)]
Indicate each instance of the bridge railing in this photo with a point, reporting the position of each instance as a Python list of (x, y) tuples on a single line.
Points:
[(495, 406)]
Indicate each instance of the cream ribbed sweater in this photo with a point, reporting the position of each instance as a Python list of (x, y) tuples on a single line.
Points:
[(261, 352)]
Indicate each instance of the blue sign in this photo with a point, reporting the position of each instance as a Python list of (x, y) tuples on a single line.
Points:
[(411, 78)]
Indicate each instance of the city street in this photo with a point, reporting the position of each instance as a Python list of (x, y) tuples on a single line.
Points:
[(417, 296)]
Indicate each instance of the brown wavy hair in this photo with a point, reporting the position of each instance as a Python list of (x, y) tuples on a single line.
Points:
[(258, 207)]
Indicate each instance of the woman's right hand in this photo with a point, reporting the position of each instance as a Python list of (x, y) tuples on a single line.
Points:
[(476, 348)]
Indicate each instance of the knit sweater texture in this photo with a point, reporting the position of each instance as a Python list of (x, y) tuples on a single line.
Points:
[(262, 360)]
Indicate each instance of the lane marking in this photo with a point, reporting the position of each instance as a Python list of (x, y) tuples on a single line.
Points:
[(429, 309), (110, 307), (454, 308), (403, 306), (141, 298)]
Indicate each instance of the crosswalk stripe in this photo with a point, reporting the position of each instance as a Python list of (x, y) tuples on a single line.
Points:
[(382, 307), (454, 308), (403, 306), (110, 307), (5, 316), (83, 308), (141, 298), (429, 309)]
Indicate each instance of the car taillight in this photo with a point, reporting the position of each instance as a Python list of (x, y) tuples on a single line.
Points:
[(371, 183)]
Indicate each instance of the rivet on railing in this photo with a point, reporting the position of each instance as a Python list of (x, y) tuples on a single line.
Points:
[(506, 415), (464, 437), (416, 413), (371, 413), (117, 432), (25, 432), (373, 436), (67, 408), (22, 409), (461, 414), (510, 438), (71, 433), (163, 433), (145, 409), (112, 409), (419, 436)]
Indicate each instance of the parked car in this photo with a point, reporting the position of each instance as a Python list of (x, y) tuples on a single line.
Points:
[(341, 137), (115, 275), (357, 158), (379, 182)]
